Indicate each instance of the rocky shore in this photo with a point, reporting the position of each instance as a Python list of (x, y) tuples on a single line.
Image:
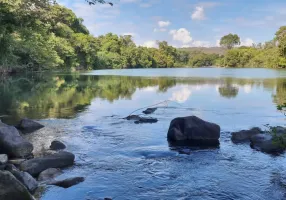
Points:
[(21, 173)]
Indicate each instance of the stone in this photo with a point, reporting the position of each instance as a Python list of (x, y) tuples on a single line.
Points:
[(49, 174), (3, 159), (149, 111), (57, 145), (265, 143), (145, 120), (67, 182), (29, 126), (133, 117), (12, 144), (193, 131), (26, 179), (245, 135), (37, 165), (12, 189)]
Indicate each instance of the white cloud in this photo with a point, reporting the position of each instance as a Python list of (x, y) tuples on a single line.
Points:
[(199, 43), (164, 23), (217, 43), (182, 35), (199, 13), (160, 30), (247, 42), (150, 44), (181, 95), (129, 33)]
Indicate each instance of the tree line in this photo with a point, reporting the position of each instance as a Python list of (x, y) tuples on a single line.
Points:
[(42, 35)]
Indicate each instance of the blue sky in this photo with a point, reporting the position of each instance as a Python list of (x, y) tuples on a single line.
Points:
[(184, 23)]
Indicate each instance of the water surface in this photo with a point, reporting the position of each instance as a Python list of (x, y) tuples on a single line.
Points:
[(123, 160)]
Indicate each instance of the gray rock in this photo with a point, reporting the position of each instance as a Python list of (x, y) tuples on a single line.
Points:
[(10, 167), (67, 182), (49, 174), (37, 165), (2, 124), (245, 135), (26, 179), (133, 117), (265, 143), (29, 126), (12, 144), (12, 189), (57, 145), (3, 159), (149, 111), (193, 131)]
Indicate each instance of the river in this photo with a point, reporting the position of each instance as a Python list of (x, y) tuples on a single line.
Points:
[(123, 160)]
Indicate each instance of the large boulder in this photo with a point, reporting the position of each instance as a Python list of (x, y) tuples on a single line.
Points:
[(37, 165), (29, 126), (265, 143), (193, 131), (12, 144), (245, 135), (26, 179), (12, 189), (66, 183), (49, 174)]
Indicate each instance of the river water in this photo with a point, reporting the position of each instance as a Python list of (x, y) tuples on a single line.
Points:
[(122, 160)]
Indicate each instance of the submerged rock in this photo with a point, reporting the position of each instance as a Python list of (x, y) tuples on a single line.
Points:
[(142, 120), (37, 165), (29, 126), (49, 174), (3, 159), (12, 144), (265, 143), (245, 135), (146, 120), (193, 131), (67, 182), (149, 111), (12, 189), (57, 145)]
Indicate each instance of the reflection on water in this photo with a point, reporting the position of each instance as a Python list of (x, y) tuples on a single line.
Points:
[(126, 161), (63, 96)]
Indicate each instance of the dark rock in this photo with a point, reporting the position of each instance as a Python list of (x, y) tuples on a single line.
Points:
[(10, 167), (106, 198), (57, 145), (193, 131), (29, 126), (37, 165), (145, 120), (67, 182), (265, 143), (12, 189), (149, 111), (49, 174), (12, 144), (3, 159), (26, 179), (2, 124), (245, 135), (279, 130), (133, 117)]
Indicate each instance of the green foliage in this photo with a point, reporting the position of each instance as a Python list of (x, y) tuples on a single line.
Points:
[(229, 41)]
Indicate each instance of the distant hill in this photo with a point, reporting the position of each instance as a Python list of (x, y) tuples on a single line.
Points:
[(207, 50)]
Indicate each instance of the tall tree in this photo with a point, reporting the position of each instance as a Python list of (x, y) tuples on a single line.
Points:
[(229, 41)]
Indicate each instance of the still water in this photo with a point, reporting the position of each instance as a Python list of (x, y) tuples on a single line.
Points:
[(122, 160)]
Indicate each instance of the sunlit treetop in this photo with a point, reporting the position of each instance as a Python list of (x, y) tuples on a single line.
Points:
[(93, 2)]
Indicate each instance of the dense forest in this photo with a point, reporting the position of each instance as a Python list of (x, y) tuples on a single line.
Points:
[(42, 35)]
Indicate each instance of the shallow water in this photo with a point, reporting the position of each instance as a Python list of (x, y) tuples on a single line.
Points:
[(123, 160)]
